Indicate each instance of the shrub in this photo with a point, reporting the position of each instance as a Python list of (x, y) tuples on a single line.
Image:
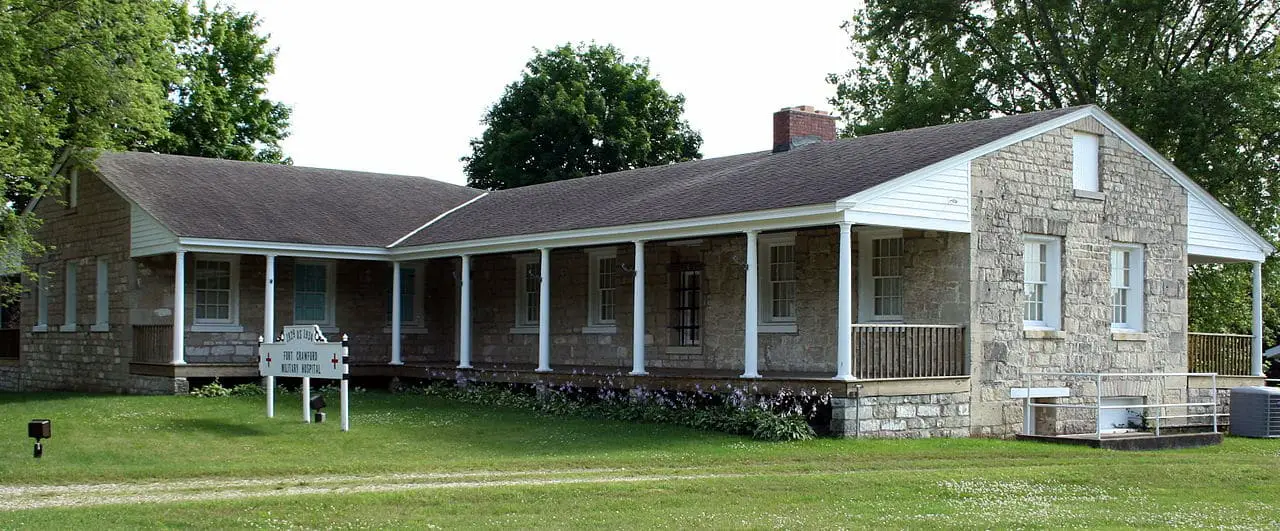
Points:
[(248, 389), (212, 390)]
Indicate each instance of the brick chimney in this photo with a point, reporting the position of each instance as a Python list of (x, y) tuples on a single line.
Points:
[(796, 126)]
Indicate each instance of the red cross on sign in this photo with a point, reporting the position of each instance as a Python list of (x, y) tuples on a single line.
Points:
[(268, 360), (335, 361)]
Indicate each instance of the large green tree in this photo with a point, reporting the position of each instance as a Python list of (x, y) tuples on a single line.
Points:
[(576, 111), (1197, 79)]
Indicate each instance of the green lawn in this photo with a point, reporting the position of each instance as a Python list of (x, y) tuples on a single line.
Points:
[(422, 462)]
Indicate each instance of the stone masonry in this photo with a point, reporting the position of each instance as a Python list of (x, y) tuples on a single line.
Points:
[(1027, 188), (902, 416)]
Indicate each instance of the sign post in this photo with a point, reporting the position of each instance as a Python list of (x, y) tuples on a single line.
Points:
[(305, 353)]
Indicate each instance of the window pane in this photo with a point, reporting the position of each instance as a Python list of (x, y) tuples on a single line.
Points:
[(782, 282), (886, 275), (606, 281), (213, 290), (310, 292)]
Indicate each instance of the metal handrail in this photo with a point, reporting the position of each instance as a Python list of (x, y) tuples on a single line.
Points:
[(905, 325), (1028, 427)]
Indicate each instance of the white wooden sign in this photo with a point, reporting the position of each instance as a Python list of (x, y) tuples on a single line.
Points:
[(305, 353)]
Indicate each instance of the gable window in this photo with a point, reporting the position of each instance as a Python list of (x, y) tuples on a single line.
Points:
[(69, 308), (602, 302), (778, 283), (1126, 288), (217, 286), (686, 306), (528, 292), (101, 302), (1042, 282), (412, 292), (1084, 161), (42, 301), (880, 256), (73, 188), (313, 292)]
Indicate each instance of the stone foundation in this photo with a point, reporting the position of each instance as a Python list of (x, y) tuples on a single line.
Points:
[(158, 385), (901, 416), (10, 375)]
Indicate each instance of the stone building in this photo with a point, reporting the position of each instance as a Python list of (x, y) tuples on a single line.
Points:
[(925, 278)]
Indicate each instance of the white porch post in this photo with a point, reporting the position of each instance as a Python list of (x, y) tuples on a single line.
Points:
[(544, 312), (269, 302), (1256, 366), (637, 314), (179, 307), (844, 313), (395, 314), (464, 315), (751, 343)]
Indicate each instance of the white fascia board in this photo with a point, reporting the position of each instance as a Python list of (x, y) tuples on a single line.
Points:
[(925, 172), (907, 222), (763, 220), (300, 250), (1224, 255)]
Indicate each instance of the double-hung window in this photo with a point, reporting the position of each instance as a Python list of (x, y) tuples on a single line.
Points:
[(777, 278), (1126, 287), (686, 306), (528, 291), (880, 257), (42, 301), (1042, 282), (602, 301), (101, 321), (217, 285), (412, 292), (314, 286), (69, 304)]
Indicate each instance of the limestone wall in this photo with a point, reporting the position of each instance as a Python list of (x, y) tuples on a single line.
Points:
[(901, 416), (1027, 189)]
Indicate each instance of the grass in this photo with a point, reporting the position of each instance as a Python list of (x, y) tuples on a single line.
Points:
[(566, 472)]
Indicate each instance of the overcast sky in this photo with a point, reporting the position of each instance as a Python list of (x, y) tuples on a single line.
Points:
[(400, 87)]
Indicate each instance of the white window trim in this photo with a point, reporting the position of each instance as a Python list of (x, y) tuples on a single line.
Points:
[(1135, 300), (331, 294), (102, 301), (596, 325), (42, 301), (418, 324), (232, 322), (69, 309), (1052, 287), (767, 323), (1086, 150), (520, 325), (866, 288)]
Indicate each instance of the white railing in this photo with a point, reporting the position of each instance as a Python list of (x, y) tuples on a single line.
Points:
[(908, 351), (1097, 378)]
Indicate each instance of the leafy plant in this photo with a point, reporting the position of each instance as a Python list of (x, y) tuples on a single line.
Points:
[(212, 390)]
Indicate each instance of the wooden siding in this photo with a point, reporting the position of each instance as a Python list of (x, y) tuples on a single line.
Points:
[(1208, 234), (147, 236), (937, 201)]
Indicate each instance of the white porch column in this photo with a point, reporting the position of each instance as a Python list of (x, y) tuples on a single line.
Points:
[(544, 312), (844, 313), (464, 315), (637, 314), (751, 342), (1256, 366), (269, 302), (179, 307), (395, 314)]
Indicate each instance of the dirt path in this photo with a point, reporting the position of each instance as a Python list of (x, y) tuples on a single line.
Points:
[(87, 495)]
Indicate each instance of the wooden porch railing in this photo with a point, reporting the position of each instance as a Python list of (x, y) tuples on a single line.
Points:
[(908, 351), (152, 343), (10, 342), (1228, 354)]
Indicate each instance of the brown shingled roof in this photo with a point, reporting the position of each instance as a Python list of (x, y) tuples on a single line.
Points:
[(221, 199), (811, 175)]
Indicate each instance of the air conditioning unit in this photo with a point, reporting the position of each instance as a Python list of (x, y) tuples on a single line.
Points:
[(1255, 411)]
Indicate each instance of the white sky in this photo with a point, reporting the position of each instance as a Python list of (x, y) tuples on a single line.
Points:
[(400, 87)]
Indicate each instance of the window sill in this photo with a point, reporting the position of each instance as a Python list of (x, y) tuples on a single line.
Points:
[(416, 329), (1031, 333), (40, 328), (1129, 335), (523, 330), (227, 328), (600, 329), (684, 350), (1086, 194), (776, 328), (67, 328), (100, 328)]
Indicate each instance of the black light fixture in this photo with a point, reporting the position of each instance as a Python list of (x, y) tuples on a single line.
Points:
[(39, 429), (317, 404)]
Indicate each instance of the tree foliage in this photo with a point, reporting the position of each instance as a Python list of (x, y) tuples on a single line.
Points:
[(82, 75), (577, 111), (1197, 79)]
